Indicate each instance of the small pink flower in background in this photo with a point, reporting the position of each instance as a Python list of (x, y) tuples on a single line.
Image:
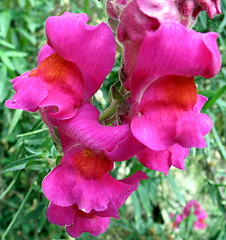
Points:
[(199, 213), (190, 9), (71, 66)]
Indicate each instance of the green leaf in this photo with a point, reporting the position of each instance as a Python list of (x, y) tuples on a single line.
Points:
[(16, 214), (36, 165), (15, 54), (7, 44), (214, 98), (35, 213), (3, 74), (18, 164), (7, 61), (203, 19), (5, 20), (16, 118), (10, 186), (33, 132), (222, 25), (175, 188), (31, 38), (137, 210), (219, 142), (145, 200)]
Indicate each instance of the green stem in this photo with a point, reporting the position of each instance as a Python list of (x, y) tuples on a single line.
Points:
[(10, 186), (86, 6), (17, 214), (33, 132), (109, 112)]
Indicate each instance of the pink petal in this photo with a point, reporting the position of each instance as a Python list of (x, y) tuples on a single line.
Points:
[(200, 103), (91, 48), (113, 206), (161, 10), (76, 221), (61, 216), (192, 135), (167, 109), (30, 92), (86, 184), (125, 149), (44, 52), (85, 129), (56, 82), (134, 24), (163, 160), (92, 224), (200, 225), (165, 52), (156, 129)]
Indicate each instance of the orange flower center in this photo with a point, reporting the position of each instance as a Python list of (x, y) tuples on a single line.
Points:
[(54, 69), (91, 165), (180, 91)]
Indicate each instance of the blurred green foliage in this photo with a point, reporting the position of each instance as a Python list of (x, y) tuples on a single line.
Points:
[(27, 153)]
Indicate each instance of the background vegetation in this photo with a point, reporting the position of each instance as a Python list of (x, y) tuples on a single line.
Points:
[(27, 153)]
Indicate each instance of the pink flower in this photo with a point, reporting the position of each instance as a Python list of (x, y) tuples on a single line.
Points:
[(83, 178), (165, 108), (168, 130), (199, 213), (77, 221), (161, 123), (164, 97), (71, 67), (190, 9), (138, 18)]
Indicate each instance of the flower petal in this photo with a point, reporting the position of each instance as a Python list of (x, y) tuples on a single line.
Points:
[(44, 52), (125, 149), (60, 216), (30, 92), (165, 52), (91, 48), (163, 160), (76, 221), (167, 109), (92, 224), (85, 129), (81, 180)]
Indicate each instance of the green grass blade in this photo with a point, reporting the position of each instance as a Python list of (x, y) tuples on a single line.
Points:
[(219, 142), (175, 189), (16, 215), (10, 186)]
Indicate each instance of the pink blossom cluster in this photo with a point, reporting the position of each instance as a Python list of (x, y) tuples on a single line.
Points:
[(192, 207), (155, 115)]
